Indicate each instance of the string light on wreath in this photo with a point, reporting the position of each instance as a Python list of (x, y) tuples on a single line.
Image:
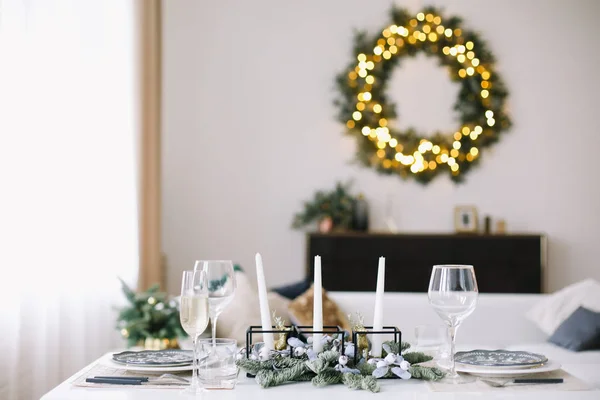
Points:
[(369, 115)]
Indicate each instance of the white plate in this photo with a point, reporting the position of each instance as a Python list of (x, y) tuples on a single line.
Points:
[(505, 372), (506, 359), (155, 358), (108, 362), (499, 368)]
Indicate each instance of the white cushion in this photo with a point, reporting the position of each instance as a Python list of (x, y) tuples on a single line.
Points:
[(551, 311), (244, 310), (498, 320)]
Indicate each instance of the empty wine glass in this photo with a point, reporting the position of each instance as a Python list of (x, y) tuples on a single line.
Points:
[(221, 288), (453, 295), (193, 314)]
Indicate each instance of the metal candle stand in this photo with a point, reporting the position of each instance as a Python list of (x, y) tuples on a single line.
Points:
[(386, 330), (294, 331), (290, 330), (327, 330)]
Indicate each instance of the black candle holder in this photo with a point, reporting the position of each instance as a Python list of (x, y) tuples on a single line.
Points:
[(289, 330), (292, 331), (327, 330), (386, 330)]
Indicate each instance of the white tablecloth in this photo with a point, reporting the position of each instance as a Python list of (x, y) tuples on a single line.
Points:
[(247, 389)]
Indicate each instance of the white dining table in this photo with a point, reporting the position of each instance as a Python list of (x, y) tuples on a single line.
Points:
[(248, 389)]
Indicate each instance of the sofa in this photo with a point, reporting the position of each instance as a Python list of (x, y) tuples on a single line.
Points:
[(499, 322)]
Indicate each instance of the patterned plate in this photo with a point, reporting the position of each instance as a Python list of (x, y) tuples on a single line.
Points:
[(500, 358), (161, 358), (508, 372)]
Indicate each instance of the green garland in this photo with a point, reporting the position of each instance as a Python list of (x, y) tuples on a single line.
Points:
[(368, 113), (321, 371)]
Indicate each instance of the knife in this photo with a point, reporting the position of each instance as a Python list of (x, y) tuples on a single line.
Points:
[(539, 380), (497, 383), (129, 378), (121, 381)]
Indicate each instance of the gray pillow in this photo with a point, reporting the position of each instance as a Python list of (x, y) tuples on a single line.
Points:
[(580, 331)]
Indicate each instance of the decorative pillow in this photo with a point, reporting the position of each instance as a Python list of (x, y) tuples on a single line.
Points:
[(293, 290), (553, 310), (580, 331), (301, 311), (244, 310)]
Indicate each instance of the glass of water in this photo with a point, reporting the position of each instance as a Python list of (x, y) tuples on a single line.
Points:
[(433, 341), (217, 369), (453, 295)]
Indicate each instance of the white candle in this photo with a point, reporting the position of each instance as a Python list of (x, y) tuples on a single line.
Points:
[(377, 340), (317, 307), (265, 313)]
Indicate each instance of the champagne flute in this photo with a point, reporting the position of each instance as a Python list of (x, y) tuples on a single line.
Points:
[(453, 295), (221, 288), (193, 314)]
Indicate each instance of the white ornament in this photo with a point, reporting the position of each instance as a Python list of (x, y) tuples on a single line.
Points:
[(390, 358), (299, 351), (264, 354)]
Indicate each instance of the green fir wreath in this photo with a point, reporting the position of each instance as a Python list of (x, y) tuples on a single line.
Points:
[(367, 111)]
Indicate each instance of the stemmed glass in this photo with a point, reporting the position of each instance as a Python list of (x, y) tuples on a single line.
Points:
[(453, 295), (221, 288), (193, 314)]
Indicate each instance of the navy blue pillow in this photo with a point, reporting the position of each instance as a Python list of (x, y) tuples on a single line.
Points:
[(581, 331), (293, 290)]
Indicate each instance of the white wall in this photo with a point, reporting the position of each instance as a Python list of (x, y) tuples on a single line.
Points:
[(250, 132)]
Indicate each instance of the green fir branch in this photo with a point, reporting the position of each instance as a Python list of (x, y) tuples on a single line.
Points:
[(338, 204), (148, 314)]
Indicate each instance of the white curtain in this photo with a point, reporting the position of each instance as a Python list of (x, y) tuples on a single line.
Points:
[(68, 206)]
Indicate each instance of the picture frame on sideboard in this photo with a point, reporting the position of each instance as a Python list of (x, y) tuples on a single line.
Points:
[(466, 219)]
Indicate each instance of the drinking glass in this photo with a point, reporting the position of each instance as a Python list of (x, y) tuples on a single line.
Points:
[(217, 369), (221, 288), (193, 314), (433, 341), (453, 295)]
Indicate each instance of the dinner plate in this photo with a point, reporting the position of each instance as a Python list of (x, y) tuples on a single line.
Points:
[(154, 358), (500, 358), (506, 372), (107, 361)]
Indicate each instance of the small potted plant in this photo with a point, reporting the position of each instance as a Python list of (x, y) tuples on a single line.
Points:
[(332, 210), (150, 319)]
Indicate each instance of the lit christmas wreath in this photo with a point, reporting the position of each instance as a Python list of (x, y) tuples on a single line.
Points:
[(368, 113)]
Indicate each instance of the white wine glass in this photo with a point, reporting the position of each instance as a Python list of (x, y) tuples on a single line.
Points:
[(221, 288), (193, 315), (453, 295)]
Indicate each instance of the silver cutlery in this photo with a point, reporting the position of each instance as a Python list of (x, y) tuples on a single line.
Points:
[(502, 383), (164, 379)]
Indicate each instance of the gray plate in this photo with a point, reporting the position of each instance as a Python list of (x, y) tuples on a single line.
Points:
[(500, 358), (162, 358)]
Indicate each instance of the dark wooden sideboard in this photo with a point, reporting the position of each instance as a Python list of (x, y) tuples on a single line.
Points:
[(503, 263)]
